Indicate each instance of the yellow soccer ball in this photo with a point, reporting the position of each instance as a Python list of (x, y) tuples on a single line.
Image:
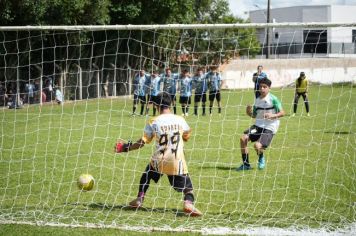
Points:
[(85, 182)]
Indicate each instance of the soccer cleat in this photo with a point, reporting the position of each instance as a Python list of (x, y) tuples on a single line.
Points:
[(186, 114), (261, 163), (190, 209), (308, 114), (293, 115), (136, 203), (244, 167)]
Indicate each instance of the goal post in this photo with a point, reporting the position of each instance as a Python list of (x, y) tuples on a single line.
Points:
[(71, 98)]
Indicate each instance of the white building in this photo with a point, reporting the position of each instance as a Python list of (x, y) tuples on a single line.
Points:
[(322, 41)]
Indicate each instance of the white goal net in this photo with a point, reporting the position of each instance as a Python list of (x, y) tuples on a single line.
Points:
[(66, 97)]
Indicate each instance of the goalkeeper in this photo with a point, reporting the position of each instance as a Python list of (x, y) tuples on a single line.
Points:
[(267, 110), (169, 130)]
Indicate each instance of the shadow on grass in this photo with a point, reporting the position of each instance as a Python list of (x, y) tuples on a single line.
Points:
[(103, 206), (339, 132), (220, 167)]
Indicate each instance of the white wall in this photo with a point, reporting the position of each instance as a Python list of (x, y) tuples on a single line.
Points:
[(321, 13)]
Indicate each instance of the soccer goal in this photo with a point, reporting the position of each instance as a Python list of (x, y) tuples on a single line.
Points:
[(66, 97)]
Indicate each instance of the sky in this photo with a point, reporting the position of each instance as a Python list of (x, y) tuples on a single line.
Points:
[(240, 8)]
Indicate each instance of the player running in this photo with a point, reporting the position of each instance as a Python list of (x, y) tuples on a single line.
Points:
[(170, 131), (267, 110)]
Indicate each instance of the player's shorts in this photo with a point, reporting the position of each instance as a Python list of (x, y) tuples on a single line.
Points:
[(178, 182), (173, 97), (138, 98), (200, 97), (214, 95), (184, 100), (264, 136), (153, 99)]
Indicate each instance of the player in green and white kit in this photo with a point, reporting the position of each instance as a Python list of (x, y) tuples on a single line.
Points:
[(267, 110)]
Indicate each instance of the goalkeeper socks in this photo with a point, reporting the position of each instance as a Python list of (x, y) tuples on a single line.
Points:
[(141, 194), (245, 159), (189, 197)]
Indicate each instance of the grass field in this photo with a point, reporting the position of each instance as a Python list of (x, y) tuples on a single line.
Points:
[(309, 180)]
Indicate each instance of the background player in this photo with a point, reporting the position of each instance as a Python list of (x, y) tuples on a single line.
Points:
[(301, 89), (139, 84), (200, 86), (214, 84), (169, 131), (154, 86), (267, 110), (185, 90), (169, 81)]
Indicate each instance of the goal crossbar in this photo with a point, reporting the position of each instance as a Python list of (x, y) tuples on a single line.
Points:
[(178, 26)]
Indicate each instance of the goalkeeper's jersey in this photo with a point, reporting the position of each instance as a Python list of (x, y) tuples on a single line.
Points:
[(301, 85), (268, 104), (169, 130)]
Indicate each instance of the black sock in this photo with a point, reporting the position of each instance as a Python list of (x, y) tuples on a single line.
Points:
[(195, 110), (175, 109), (183, 110), (219, 109), (245, 159), (133, 110), (142, 107), (210, 109), (203, 109), (154, 111), (189, 197)]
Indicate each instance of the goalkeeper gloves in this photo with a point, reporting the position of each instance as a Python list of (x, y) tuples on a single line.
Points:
[(122, 147)]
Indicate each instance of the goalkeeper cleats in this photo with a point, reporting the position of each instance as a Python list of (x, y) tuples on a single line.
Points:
[(244, 167), (261, 163), (136, 203), (190, 209)]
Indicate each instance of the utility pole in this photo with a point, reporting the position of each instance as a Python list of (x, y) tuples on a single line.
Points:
[(267, 31)]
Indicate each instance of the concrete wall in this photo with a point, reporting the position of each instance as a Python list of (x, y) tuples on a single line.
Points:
[(283, 72)]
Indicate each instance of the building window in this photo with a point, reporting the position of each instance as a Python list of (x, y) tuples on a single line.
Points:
[(354, 36)]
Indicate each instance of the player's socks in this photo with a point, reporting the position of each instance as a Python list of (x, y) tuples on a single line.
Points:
[(175, 109), (196, 110), (142, 108), (245, 159), (203, 110), (154, 111), (133, 110), (261, 161), (210, 109), (219, 109)]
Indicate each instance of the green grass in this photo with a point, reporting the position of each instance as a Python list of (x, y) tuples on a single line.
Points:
[(309, 180)]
